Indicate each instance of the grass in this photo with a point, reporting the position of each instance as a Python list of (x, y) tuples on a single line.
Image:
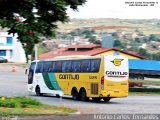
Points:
[(147, 82), (145, 93), (24, 106)]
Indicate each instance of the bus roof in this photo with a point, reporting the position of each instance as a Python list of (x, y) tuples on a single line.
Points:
[(73, 57)]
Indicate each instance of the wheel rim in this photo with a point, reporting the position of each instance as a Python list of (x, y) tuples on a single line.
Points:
[(83, 95), (74, 95)]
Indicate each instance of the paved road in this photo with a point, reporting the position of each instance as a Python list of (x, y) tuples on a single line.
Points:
[(14, 83)]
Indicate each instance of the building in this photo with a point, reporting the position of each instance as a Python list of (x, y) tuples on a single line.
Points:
[(91, 50), (144, 68), (11, 48)]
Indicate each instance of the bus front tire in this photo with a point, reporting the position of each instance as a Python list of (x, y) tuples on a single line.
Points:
[(57, 96), (38, 91), (106, 99), (83, 95), (74, 94)]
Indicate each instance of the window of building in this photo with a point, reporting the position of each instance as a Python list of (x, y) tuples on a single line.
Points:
[(2, 52), (9, 40), (11, 53)]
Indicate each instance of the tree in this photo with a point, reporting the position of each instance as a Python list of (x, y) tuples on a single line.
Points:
[(142, 52), (118, 44), (154, 37), (31, 19)]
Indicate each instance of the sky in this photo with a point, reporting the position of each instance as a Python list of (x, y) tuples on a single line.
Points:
[(116, 9)]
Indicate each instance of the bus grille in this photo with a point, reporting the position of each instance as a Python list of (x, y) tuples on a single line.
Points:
[(94, 88)]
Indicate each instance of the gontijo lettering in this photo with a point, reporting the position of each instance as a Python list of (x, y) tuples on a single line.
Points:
[(69, 76), (116, 74)]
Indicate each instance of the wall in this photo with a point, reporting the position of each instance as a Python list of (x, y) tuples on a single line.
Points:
[(113, 52), (14, 50)]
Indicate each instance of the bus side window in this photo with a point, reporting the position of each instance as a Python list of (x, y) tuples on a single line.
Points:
[(76, 66), (85, 66), (95, 64), (66, 66), (52, 69), (39, 68), (47, 66), (57, 66)]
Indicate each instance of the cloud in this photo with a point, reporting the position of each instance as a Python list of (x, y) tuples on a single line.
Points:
[(116, 9)]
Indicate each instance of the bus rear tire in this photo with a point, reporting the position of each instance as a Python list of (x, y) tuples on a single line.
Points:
[(83, 95), (106, 99), (38, 91), (74, 94)]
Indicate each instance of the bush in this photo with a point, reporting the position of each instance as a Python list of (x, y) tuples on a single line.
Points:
[(29, 101), (18, 102), (144, 89), (9, 103)]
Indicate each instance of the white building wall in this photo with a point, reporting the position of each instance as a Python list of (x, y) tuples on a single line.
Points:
[(17, 54), (2, 40)]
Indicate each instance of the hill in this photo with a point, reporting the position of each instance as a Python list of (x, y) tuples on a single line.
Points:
[(146, 26)]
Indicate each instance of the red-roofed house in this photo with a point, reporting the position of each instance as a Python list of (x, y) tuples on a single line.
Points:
[(91, 50)]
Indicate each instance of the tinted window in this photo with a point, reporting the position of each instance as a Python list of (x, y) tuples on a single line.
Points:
[(39, 68), (95, 63), (32, 66), (31, 73), (66, 66), (57, 66), (85, 66), (47, 66), (76, 66)]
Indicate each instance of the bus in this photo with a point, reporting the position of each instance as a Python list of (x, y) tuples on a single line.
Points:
[(82, 77)]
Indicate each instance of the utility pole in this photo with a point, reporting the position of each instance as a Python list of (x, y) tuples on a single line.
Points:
[(36, 51)]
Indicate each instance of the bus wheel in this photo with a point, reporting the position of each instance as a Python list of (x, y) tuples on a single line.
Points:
[(38, 91), (106, 99), (83, 95), (96, 99), (74, 94), (57, 96)]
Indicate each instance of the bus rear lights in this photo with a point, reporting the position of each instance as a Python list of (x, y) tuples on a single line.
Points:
[(102, 83), (102, 80)]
